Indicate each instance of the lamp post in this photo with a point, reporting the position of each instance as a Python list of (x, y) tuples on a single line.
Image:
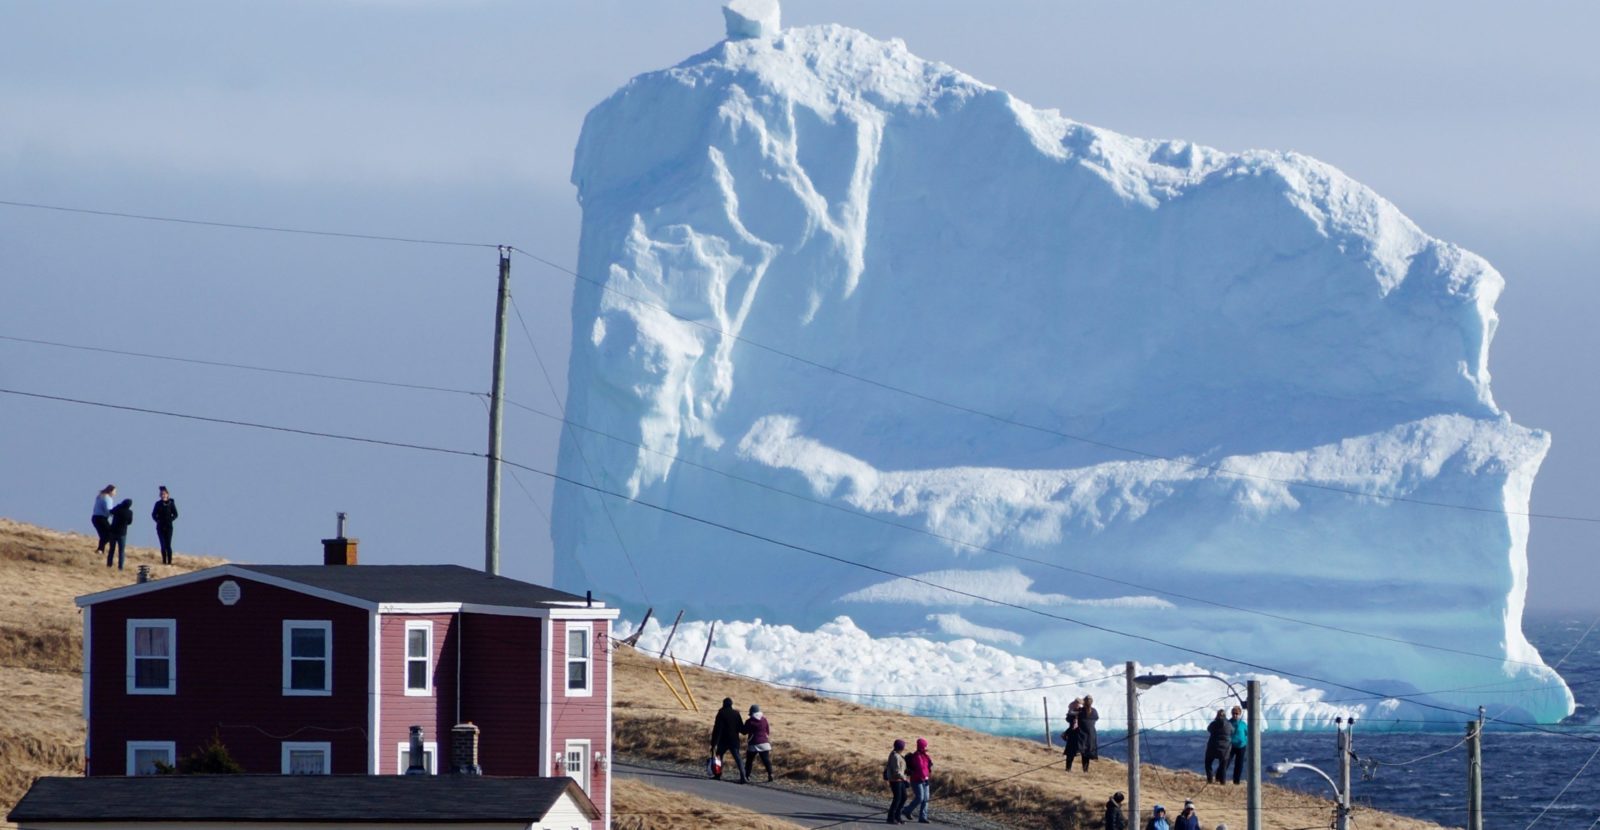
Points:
[(1341, 791), (1252, 704)]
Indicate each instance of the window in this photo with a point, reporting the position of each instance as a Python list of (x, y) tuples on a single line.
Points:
[(575, 762), (307, 758), (143, 755), (578, 659), (307, 657), (419, 658), (430, 757), (152, 657)]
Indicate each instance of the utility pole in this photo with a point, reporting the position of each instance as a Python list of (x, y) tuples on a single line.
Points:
[(1253, 755), (1346, 750), (1475, 772), (491, 541), (1133, 748)]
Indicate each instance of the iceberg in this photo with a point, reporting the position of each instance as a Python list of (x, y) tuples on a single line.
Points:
[(863, 341)]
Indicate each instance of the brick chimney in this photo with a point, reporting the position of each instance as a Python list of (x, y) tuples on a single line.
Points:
[(464, 750), (339, 550)]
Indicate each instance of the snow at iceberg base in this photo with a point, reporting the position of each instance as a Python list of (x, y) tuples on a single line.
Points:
[(865, 337)]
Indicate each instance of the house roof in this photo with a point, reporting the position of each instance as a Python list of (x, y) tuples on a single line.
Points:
[(297, 798)]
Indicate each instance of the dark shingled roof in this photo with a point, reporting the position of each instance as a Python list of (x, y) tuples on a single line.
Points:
[(296, 798), (420, 583)]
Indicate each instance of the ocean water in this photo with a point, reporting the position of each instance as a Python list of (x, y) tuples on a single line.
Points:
[(1524, 772)]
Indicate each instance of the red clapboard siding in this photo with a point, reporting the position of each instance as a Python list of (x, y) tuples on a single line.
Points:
[(229, 678), (576, 717), (398, 711), (500, 689)]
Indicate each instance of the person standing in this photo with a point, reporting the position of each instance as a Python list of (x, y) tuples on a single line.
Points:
[(1238, 743), (760, 730), (1219, 736), (725, 737), (1188, 819), (1088, 733), (101, 518), (1070, 735), (1158, 819), (117, 546), (919, 768), (164, 514), (1114, 819), (894, 772)]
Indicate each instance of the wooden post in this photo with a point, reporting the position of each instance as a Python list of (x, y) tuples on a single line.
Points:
[(685, 681), (1475, 773), (491, 530), (671, 634), (711, 637), (1047, 740)]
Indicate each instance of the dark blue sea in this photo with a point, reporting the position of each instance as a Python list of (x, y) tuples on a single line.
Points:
[(1524, 773)]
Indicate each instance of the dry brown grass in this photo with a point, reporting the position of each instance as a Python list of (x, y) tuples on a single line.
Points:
[(636, 805)]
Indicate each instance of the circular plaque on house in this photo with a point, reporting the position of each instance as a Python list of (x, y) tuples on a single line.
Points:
[(228, 592)]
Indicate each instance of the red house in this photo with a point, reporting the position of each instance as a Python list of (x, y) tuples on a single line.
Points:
[(324, 669)]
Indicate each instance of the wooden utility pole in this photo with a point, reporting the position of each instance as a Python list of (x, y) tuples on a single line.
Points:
[(1346, 750), (1134, 819), (1253, 756), (491, 532), (1475, 772)]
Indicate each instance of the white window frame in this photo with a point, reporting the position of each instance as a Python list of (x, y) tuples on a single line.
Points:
[(587, 690), (326, 626), (585, 771), (324, 747), (171, 626), (405, 645), (430, 751), (135, 747)]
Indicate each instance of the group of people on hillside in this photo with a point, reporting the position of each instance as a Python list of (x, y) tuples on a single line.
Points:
[(1226, 741), (725, 738), (1081, 735), (111, 519), (1186, 820), (909, 775)]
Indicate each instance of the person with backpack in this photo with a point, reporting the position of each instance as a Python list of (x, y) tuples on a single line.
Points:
[(919, 768), (725, 737), (1238, 743), (117, 546), (1114, 819), (894, 772), (164, 514), (1219, 734), (759, 729)]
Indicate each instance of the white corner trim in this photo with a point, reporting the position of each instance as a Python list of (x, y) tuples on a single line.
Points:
[(374, 689), (88, 665), (546, 660), (234, 571)]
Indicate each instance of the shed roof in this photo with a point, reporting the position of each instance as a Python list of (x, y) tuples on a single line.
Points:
[(297, 798)]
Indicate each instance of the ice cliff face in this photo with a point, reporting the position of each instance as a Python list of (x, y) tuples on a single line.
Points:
[(1034, 353)]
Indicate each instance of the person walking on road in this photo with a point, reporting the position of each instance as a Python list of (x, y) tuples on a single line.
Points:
[(1188, 819), (919, 768), (1239, 743), (1219, 737), (1114, 819), (1158, 819), (760, 730), (725, 737), (101, 518), (1088, 734), (117, 547), (164, 514), (894, 772)]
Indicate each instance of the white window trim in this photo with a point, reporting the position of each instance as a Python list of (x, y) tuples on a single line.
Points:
[(405, 647), (403, 749), (324, 747), (172, 657), (171, 748), (586, 774), (566, 660), (327, 676)]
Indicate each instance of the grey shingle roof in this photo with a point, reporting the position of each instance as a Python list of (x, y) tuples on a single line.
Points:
[(300, 798), (420, 583)]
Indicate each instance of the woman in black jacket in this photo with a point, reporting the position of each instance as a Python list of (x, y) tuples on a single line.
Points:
[(1219, 739), (164, 514), (1088, 737)]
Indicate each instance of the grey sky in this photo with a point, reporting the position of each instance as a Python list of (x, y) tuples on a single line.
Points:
[(457, 121)]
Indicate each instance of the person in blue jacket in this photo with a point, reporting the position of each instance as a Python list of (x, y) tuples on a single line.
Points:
[(1238, 743)]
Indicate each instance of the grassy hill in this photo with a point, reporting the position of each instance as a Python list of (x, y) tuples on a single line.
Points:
[(816, 741)]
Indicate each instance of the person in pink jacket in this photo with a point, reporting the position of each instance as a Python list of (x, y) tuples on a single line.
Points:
[(919, 768)]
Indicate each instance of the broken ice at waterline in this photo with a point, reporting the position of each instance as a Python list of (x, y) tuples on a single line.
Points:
[(867, 306)]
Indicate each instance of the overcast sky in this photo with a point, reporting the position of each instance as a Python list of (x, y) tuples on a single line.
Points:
[(456, 121)]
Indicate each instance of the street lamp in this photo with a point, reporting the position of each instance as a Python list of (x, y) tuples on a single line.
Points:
[(1252, 704), (1341, 793)]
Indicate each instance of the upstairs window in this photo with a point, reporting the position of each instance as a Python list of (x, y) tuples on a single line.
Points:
[(419, 658), (152, 657), (307, 657), (579, 662)]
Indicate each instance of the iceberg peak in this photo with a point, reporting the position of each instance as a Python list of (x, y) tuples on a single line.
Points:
[(747, 19)]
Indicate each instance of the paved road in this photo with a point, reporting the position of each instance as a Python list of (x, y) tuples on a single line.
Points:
[(804, 810)]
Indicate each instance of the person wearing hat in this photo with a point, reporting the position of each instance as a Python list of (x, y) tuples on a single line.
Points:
[(894, 772), (919, 768), (1088, 737), (164, 514), (1188, 819), (1114, 819), (1158, 819), (759, 730)]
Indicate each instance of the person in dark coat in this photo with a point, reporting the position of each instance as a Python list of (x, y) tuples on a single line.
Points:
[(760, 731), (1114, 819), (117, 547), (101, 517), (1088, 734), (164, 514), (1188, 819), (1219, 742), (1070, 735), (725, 736)]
